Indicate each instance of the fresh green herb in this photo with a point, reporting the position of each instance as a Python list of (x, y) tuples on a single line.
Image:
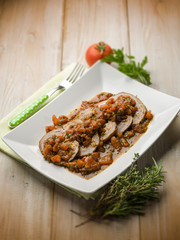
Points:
[(129, 193), (128, 66), (54, 137), (62, 118)]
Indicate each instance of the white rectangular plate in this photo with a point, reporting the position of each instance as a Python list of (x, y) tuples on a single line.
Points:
[(24, 139)]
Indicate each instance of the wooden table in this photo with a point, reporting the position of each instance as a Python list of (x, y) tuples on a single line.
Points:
[(37, 40)]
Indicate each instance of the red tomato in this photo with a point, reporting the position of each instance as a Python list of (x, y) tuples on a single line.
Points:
[(97, 51)]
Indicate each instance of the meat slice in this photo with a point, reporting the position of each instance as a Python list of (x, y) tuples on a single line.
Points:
[(141, 109), (108, 130), (71, 124), (125, 124), (74, 148), (84, 151), (89, 113), (57, 132)]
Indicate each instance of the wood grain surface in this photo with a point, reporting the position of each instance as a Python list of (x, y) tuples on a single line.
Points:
[(38, 38)]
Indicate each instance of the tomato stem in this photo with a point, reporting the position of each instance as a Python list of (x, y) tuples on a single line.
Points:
[(101, 46)]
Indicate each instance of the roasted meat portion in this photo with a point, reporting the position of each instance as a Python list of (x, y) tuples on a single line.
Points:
[(95, 133)]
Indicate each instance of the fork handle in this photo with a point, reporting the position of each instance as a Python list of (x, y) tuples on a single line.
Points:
[(26, 113)]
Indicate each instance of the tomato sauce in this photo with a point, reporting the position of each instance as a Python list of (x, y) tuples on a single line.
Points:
[(96, 133)]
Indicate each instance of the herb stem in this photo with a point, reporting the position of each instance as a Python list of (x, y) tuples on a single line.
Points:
[(128, 66), (129, 193)]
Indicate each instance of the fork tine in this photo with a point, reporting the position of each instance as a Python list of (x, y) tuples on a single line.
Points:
[(74, 69), (82, 71), (73, 76), (79, 72), (76, 74)]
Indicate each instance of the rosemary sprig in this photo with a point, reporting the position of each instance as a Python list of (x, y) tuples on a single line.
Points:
[(129, 193), (128, 66)]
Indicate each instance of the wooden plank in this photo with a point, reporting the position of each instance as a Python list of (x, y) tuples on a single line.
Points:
[(30, 40), (30, 53), (87, 22), (157, 24)]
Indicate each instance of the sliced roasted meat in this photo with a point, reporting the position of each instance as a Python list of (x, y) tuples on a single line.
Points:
[(85, 114), (108, 130), (100, 97), (84, 151), (75, 149), (55, 132), (95, 166), (141, 109), (61, 150), (107, 159), (69, 149), (89, 113), (72, 124), (85, 165), (95, 133), (124, 124), (73, 113)]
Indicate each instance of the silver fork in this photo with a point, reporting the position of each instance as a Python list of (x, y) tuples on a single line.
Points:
[(77, 71)]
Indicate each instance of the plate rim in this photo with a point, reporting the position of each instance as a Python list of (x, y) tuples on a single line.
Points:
[(92, 190)]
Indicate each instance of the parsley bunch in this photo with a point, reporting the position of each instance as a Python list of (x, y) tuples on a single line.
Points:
[(128, 66)]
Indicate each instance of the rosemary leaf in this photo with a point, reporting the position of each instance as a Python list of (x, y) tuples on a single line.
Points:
[(129, 193)]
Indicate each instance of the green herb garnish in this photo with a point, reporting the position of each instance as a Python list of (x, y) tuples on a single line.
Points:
[(129, 193), (128, 66)]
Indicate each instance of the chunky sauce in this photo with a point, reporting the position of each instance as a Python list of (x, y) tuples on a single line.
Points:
[(92, 136)]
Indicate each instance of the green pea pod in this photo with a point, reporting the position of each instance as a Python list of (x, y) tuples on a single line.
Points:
[(26, 113)]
